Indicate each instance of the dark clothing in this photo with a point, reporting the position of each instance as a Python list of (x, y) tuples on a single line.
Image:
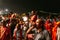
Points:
[(12, 27)]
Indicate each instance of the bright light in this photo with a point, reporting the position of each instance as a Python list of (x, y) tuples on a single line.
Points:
[(25, 18), (6, 10)]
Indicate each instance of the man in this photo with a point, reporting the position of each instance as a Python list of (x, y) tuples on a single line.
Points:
[(18, 31), (5, 32), (39, 32), (48, 25), (56, 32)]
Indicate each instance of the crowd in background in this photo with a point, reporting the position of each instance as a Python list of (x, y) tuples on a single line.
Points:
[(14, 26)]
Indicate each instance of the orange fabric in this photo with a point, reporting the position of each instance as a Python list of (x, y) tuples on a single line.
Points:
[(54, 31)]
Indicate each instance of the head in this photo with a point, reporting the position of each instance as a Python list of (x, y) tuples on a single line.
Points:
[(33, 18), (39, 23), (21, 21)]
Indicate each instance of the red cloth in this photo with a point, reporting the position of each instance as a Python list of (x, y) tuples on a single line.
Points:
[(48, 25), (6, 35)]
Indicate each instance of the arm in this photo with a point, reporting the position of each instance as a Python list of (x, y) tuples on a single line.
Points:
[(29, 29), (28, 32)]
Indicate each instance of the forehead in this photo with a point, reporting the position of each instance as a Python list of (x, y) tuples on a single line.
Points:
[(38, 20)]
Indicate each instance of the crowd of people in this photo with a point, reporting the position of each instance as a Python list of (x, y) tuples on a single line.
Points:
[(29, 27)]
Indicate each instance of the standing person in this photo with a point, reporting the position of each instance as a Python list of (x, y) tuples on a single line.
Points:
[(39, 32), (56, 32), (18, 31), (5, 32), (33, 18), (12, 25), (48, 25)]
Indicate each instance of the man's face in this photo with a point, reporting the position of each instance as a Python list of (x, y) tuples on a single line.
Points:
[(37, 23)]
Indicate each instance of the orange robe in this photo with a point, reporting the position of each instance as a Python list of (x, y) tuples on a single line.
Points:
[(54, 31)]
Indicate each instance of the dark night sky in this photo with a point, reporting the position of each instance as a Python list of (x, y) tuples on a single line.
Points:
[(28, 5)]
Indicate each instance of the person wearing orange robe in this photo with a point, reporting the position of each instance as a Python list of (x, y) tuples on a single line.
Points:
[(54, 31)]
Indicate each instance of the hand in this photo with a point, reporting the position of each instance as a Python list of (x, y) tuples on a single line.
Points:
[(30, 36)]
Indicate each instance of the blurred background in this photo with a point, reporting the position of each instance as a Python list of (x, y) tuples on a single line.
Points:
[(43, 6)]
